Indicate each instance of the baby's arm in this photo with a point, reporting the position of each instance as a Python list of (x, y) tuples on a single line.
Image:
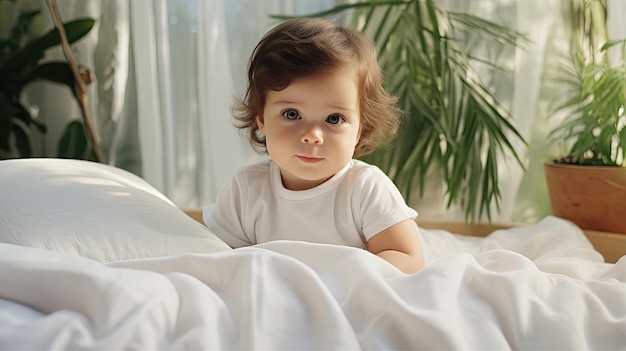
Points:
[(400, 246)]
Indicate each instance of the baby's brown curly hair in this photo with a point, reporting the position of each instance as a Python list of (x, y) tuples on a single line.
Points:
[(304, 47)]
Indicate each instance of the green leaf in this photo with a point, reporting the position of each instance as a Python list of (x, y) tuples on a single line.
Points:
[(34, 50), (73, 142), (55, 71), (611, 43)]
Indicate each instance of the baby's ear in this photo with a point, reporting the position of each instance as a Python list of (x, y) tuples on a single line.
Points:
[(260, 122)]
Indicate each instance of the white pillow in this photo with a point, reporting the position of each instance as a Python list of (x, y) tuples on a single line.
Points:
[(93, 210)]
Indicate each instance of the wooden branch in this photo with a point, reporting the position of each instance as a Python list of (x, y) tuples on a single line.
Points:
[(80, 83)]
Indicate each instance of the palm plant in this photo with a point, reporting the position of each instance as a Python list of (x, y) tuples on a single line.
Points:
[(452, 124), (594, 129)]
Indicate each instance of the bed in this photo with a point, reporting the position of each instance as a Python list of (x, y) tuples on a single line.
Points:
[(93, 257)]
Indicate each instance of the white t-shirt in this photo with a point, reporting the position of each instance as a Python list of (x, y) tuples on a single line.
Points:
[(348, 209)]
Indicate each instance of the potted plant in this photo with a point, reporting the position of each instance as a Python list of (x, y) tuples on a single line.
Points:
[(587, 184), (453, 126), (22, 61)]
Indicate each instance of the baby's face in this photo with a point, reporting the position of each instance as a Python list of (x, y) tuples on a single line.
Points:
[(312, 127)]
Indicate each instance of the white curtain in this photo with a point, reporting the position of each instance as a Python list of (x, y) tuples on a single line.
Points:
[(168, 70), (188, 146)]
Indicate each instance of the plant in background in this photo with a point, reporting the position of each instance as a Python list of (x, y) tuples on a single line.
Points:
[(594, 127), (21, 63), (452, 124), (587, 182)]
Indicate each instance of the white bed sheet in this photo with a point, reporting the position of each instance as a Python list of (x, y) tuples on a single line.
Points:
[(534, 287)]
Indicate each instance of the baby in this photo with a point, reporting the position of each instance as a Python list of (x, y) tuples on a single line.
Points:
[(314, 101)]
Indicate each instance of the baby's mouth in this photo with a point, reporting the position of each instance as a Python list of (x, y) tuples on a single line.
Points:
[(308, 159)]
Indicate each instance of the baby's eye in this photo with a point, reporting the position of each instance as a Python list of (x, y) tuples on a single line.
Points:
[(291, 114), (334, 119)]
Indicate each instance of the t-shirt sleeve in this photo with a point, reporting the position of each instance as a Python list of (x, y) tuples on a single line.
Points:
[(224, 217), (381, 203)]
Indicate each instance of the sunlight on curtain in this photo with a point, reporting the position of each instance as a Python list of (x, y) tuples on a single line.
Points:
[(183, 90), (615, 20), (532, 103)]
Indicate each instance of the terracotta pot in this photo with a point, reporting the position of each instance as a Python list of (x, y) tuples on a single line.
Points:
[(593, 197)]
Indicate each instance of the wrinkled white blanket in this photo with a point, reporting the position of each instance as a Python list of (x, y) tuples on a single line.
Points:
[(535, 287)]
